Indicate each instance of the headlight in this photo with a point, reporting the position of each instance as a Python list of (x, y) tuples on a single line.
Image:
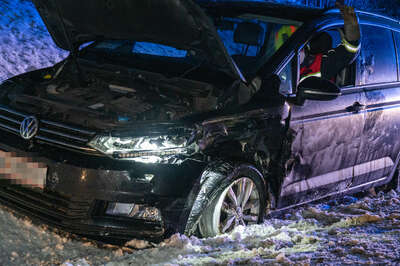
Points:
[(142, 149)]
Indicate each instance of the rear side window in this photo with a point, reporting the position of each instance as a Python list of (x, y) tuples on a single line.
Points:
[(377, 60)]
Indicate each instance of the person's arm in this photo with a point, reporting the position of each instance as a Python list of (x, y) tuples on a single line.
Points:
[(351, 27), (343, 55)]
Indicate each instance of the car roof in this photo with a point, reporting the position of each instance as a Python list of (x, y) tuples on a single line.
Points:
[(292, 12), (238, 7), (371, 17)]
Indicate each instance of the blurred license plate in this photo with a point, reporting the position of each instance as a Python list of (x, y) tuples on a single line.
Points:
[(22, 170)]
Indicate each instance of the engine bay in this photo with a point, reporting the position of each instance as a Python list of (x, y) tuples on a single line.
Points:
[(115, 97)]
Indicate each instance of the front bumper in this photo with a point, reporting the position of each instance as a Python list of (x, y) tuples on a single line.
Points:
[(76, 192), (75, 216)]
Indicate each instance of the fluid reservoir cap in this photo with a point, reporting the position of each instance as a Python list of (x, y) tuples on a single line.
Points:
[(48, 76), (124, 119)]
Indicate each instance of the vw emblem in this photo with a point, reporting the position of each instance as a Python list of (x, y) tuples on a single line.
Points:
[(29, 127)]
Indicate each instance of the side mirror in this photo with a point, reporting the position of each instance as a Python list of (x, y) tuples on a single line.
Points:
[(268, 93), (318, 89)]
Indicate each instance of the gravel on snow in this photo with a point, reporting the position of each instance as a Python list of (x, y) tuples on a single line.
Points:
[(348, 231)]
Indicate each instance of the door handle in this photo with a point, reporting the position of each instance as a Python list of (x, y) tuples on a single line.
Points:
[(356, 107)]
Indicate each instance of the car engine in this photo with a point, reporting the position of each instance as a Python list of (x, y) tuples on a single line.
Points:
[(102, 99)]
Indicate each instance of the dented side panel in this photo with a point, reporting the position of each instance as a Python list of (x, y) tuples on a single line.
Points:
[(325, 149), (380, 145)]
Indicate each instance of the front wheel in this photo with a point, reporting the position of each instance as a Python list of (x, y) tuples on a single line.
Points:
[(242, 202)]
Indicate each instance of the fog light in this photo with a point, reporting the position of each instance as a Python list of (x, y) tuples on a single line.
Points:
[(136, 211), (119, 209)]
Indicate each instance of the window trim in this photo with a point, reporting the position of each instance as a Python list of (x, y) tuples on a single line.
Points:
[(370, 87), (397, 52), (288, 60)]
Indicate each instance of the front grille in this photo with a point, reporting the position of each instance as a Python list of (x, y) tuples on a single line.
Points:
[(51, 133)]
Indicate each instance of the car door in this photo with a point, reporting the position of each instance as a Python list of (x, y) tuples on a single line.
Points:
[(377, 75), (325, 146)]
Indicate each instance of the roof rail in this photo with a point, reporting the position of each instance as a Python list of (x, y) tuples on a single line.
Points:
[(335, 10)]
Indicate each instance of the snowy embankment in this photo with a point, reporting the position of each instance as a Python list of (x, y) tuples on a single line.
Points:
[(351, 231), (25, 43)]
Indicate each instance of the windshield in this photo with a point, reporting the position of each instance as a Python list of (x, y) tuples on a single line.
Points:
[(169, 61), (126, 47), (146, 56), (251, 40)]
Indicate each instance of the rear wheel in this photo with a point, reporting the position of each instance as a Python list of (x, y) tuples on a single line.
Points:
[(394, 183), (242, 202)]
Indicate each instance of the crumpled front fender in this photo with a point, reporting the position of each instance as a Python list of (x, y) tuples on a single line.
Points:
[(204, 191), (215, 178)]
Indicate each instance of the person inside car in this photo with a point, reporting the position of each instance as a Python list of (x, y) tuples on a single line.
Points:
[(318, 59)]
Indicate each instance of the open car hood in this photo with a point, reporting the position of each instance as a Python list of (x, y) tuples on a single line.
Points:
[(178, 23)]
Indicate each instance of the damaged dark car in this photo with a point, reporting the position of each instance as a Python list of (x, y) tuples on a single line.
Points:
[(180, 116)]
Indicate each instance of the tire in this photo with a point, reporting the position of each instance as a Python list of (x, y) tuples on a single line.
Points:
[(394, 183), (241, 201)]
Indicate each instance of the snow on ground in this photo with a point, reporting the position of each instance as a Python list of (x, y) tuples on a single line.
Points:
[(25, 43), (347, 231), (22, 243)]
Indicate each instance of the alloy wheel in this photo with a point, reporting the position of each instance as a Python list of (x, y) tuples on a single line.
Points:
[(239, 204)]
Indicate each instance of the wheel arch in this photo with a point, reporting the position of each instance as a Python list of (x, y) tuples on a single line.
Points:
[(211, 182), (394, 175)]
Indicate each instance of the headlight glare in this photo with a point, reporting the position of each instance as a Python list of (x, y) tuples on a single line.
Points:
[(136, 147)]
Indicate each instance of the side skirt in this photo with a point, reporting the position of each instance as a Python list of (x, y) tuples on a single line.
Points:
[(350, 190)]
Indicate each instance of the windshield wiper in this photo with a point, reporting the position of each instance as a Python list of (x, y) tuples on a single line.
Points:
[(195, 67)]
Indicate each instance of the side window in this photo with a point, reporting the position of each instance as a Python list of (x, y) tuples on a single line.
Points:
[(377, 61), (286, 76), (341, 70), (346, 77)]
